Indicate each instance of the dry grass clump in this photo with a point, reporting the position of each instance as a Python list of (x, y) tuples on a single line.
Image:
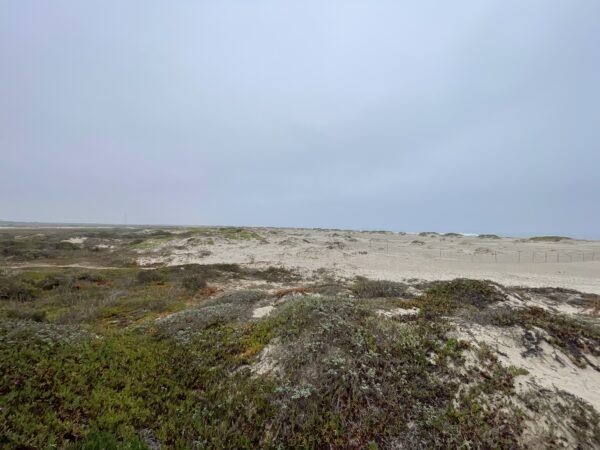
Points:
[(296, 290)]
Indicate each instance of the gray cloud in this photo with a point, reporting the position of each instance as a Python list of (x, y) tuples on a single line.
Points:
[(470, 116)]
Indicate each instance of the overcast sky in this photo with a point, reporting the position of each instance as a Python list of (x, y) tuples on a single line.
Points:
[(469, 116)]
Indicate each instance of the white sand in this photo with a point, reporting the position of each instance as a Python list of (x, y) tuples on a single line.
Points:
[(263, 311), (389, 313), (76, 240), (551, 368)]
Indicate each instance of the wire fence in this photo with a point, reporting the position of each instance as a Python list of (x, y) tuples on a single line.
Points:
[(481, 254)]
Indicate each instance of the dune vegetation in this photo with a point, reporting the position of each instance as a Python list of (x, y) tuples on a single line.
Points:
[(233, 356)]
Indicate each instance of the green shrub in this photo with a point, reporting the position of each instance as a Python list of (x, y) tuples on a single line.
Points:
[(273, 274), (14, 288), (26, 314), (26, 249), (124, 383), (349, 379), (65, 245), (193, 283), (151, 276), (461, 292), (364, 288), (549, 238), (97, 440), (239, 297)]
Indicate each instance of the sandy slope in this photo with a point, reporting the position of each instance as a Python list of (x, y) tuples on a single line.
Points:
[(570, 263)]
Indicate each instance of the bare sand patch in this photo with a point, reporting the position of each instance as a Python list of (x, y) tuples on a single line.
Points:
[(262, 311), (389, 313)]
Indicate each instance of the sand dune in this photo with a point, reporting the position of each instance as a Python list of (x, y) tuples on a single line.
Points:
[(572, 264)]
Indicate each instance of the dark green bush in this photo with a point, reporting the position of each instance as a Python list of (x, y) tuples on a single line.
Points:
[(151, 276), (364, 288), (193, 283), (26, 314), (16, 289), (273, 274), (98, 440), (65, 245), (467, 292), (239, 297)]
